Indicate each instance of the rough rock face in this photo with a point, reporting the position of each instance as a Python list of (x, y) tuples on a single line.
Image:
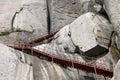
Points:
[(31, 16), (117, 72), (23, 18), (90, 30), (112, 9), (63, 38), (90, 33), (13, 66), (86, 32), (7, 12), (63, 12)]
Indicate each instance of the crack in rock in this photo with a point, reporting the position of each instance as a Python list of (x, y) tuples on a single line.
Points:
[(13, 18)]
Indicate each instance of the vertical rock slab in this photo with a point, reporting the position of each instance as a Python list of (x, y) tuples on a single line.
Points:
[(112, 9), (13, 66), (63, 12)]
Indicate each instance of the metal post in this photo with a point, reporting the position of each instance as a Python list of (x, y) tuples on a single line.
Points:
[(72, 64), (52, 60), (95, 73), (22, 48), (32, 51)]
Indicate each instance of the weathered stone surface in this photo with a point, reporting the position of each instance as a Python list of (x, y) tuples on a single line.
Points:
[(113, 10), (7, 11), (116, 72), (106, 61), (63, 12), (63, 38), (32, 16), (13, 66), (90, 30), (26, 17)]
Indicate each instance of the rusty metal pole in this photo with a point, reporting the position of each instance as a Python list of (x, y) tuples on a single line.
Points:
[(23, 47), (96, 78), (72, 64), (52, 60), (32, 51)]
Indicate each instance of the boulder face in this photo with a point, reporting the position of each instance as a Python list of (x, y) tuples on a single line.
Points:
[(7, 12), (13, 65), (89, 32), (63, 12), (31, 16), (22, 18)]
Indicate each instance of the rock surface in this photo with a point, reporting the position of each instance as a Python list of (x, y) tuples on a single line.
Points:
[(7, 12), (117, 72), (63, 38), (86, 32), (112, 9), (31, 16), (15, 65), (90, 33), (90, 30), (22, 18), (68, 10)]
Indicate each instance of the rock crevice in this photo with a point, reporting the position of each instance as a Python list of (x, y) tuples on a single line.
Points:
[(13, 18)]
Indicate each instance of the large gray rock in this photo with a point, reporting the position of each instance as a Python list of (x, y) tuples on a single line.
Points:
[(63, 12), (22, 19), (90, 33), (32, 16), (7, 11), (13, 66)]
